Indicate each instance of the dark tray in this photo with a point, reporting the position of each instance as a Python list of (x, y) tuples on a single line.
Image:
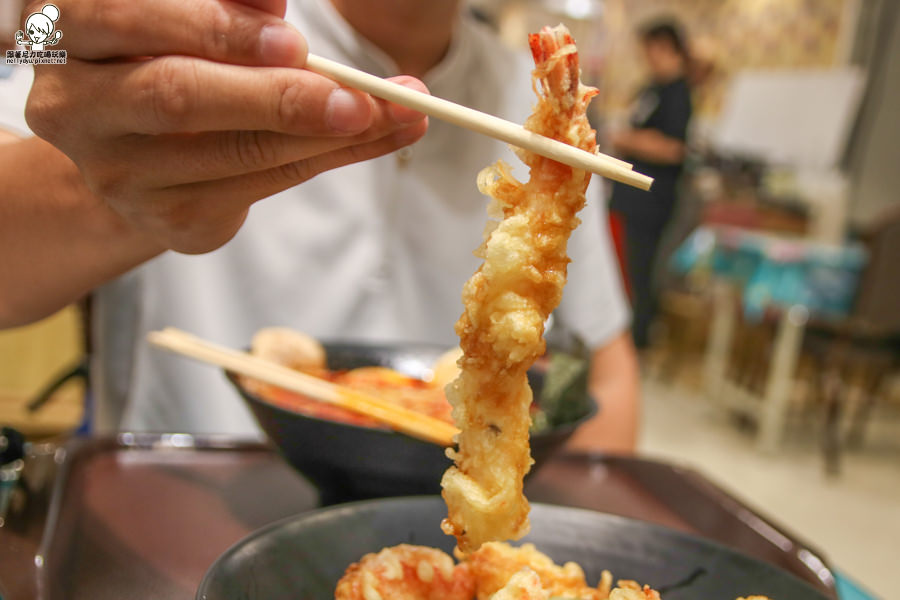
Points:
[(145, 516)]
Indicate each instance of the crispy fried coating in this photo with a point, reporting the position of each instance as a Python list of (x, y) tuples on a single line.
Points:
[(496, 571), (290, 348), (524, 585), (632, 590), (406, 572), (506, 303), (495, 563)]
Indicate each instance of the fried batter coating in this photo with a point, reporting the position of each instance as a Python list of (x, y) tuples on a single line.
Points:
[(524, 585), (495, 563), (290, 348), (506, 303), (497, 571), (632, 590), (406, 572)]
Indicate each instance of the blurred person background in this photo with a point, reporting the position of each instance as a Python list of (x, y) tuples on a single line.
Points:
[(655, 142)]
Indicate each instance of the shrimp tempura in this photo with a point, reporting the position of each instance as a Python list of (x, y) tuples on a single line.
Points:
[(507, 301)]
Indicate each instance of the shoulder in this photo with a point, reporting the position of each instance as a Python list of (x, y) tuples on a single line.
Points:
[(487, 44), (675, 97), (678, 89), (491, 54), (495, 67)]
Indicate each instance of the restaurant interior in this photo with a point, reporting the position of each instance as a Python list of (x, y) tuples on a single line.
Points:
[(770, 382)]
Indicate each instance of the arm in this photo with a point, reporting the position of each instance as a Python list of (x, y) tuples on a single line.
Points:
[(171, 119), (595, 309), (57, 240), (180, 115), (650, 145), (615, 383)]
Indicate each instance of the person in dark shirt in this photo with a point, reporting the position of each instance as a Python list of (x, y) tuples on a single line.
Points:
[(655, 144)]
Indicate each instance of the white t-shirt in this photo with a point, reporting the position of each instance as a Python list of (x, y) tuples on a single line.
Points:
[(376, 251)]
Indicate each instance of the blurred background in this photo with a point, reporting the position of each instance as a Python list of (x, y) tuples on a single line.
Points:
[(773, 357)]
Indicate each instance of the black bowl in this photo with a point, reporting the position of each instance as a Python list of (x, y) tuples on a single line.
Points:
[(350, 462), (302, 558)]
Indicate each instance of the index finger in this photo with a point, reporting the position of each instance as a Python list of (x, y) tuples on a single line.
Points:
[(217, 30), (175, 94)]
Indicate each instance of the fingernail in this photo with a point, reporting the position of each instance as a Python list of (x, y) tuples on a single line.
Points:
[(401, 114), (280, 45), (409, 134), (347, 112)]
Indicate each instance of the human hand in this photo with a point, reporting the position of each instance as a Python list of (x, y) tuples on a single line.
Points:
[(620, 140), (180, 115)]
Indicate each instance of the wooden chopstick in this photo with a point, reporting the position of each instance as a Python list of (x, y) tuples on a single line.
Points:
[(396, 417), (480, 122)]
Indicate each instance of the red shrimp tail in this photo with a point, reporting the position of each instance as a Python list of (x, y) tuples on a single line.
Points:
[(545, 44), (535, 42)]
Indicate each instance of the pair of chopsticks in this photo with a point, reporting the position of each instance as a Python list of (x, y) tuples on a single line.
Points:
[(480, 122), (396, 417)]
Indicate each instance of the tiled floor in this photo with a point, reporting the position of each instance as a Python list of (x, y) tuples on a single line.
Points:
[(853, 519)]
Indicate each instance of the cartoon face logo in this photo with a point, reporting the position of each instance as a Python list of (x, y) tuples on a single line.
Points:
[(39, 27)]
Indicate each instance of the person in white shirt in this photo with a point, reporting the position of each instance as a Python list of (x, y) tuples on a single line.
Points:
[(377, 250)]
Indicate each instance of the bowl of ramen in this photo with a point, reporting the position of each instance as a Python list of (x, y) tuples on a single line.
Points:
[(393, 548), (349, 457)]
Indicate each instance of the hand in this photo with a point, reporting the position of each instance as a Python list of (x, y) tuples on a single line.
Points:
[(650, 145), (620, 140), (180, 115)]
